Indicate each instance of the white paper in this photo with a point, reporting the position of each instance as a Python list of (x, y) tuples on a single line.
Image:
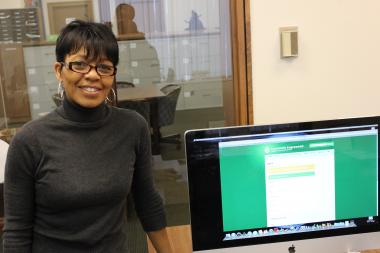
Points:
[(32, 71)]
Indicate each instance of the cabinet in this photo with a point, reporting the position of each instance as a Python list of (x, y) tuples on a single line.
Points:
[(201, 93), (40, 75), (139, 63), (193, 60), (195, 63), (14, 96), (20, 25)]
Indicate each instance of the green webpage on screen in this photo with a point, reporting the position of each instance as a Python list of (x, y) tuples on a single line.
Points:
[(281, 181)]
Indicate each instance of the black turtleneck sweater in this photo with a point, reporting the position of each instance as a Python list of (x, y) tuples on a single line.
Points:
[(67, 176)]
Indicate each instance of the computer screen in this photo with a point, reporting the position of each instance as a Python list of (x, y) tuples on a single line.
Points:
[(257, 185)]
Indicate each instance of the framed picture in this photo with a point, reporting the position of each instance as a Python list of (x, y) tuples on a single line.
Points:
[(32, 3)]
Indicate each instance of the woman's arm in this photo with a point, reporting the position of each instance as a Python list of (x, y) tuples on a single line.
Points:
[(161, 241), (148, 202), (19, 194)]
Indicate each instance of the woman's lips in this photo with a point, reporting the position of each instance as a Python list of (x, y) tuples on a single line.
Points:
[(90, 89)]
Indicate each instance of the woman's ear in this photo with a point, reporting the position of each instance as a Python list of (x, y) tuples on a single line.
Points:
[(58, 68)]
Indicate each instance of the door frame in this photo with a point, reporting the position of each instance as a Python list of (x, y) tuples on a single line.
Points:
[(241, 62)]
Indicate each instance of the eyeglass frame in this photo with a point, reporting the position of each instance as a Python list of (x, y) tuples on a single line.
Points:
[(69, 66)]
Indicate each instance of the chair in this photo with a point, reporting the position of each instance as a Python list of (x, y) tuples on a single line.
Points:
[(3, 155), (124, 84), (140, 106), (166, 112)]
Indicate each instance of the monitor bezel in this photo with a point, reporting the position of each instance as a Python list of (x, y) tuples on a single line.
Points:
[(204, 202)]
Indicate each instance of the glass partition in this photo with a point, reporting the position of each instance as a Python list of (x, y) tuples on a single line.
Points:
[(180, 48)]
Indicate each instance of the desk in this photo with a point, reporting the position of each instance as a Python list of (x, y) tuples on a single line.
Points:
[(181, 240), (150, 94), (145, 92), (180, 237)]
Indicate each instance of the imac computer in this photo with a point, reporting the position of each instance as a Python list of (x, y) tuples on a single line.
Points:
[(307, 187)]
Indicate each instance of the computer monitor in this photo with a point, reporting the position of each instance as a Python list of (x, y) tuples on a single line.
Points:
[(301, 187)]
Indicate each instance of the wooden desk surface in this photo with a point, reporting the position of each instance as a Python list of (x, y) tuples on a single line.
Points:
[(181, 240), (139, 93), (180, 237)]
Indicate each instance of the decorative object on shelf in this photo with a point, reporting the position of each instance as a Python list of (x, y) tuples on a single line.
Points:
[(125, 14), (32, 3), (195, 24)]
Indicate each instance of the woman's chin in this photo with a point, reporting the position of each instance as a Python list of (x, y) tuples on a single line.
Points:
[(90, 103)]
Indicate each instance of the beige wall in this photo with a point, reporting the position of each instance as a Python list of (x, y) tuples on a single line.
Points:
[(11, 4), (337, 73)]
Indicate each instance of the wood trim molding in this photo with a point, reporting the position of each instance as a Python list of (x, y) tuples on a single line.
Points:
[(241, 61), (248, 56)]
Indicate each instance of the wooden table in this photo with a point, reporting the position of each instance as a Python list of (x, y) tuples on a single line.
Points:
[(145, 92), (180, 237), (150, 94)]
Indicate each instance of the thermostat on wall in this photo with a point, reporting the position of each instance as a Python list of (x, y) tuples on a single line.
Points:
[(289, 41)]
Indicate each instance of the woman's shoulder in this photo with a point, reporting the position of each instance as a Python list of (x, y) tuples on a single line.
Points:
[(41, 121), (32, 127)]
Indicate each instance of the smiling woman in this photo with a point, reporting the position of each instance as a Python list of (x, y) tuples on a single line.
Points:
[(68, 173), (85, 65), (86, 84)]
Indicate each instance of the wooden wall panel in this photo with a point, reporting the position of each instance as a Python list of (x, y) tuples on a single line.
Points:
[(241, 61)]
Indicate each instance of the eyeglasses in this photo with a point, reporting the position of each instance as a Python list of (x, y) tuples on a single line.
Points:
[(83, 68)]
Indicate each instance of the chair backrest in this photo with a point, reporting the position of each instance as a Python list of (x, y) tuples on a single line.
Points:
[(3, 156), (167, 104), (140, 106), (124, 84), (57, 99)]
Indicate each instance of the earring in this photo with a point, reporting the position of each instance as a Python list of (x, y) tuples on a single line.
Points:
[(114, 97), (60, 89)]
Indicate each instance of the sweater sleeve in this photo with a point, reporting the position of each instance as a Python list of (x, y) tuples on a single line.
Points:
[(148, 202), (22, 159)]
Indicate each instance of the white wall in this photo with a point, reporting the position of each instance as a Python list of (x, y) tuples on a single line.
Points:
[(11, 4), (337, 72)]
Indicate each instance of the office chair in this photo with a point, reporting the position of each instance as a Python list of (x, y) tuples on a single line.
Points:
[(3, 155), (166, 112), (124, 84), (140, 106)]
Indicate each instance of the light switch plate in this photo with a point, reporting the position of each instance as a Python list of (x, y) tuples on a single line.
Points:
[(289, 41)]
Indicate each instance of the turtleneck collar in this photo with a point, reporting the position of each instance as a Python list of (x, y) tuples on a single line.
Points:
[(76, 113)]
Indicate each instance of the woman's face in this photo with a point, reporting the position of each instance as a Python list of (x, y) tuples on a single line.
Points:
[(87, 90)]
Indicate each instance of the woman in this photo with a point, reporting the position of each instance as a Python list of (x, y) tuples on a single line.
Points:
[(68, 173)]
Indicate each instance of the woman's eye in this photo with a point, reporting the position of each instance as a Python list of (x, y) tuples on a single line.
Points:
[(104, 67), (81, 64)]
